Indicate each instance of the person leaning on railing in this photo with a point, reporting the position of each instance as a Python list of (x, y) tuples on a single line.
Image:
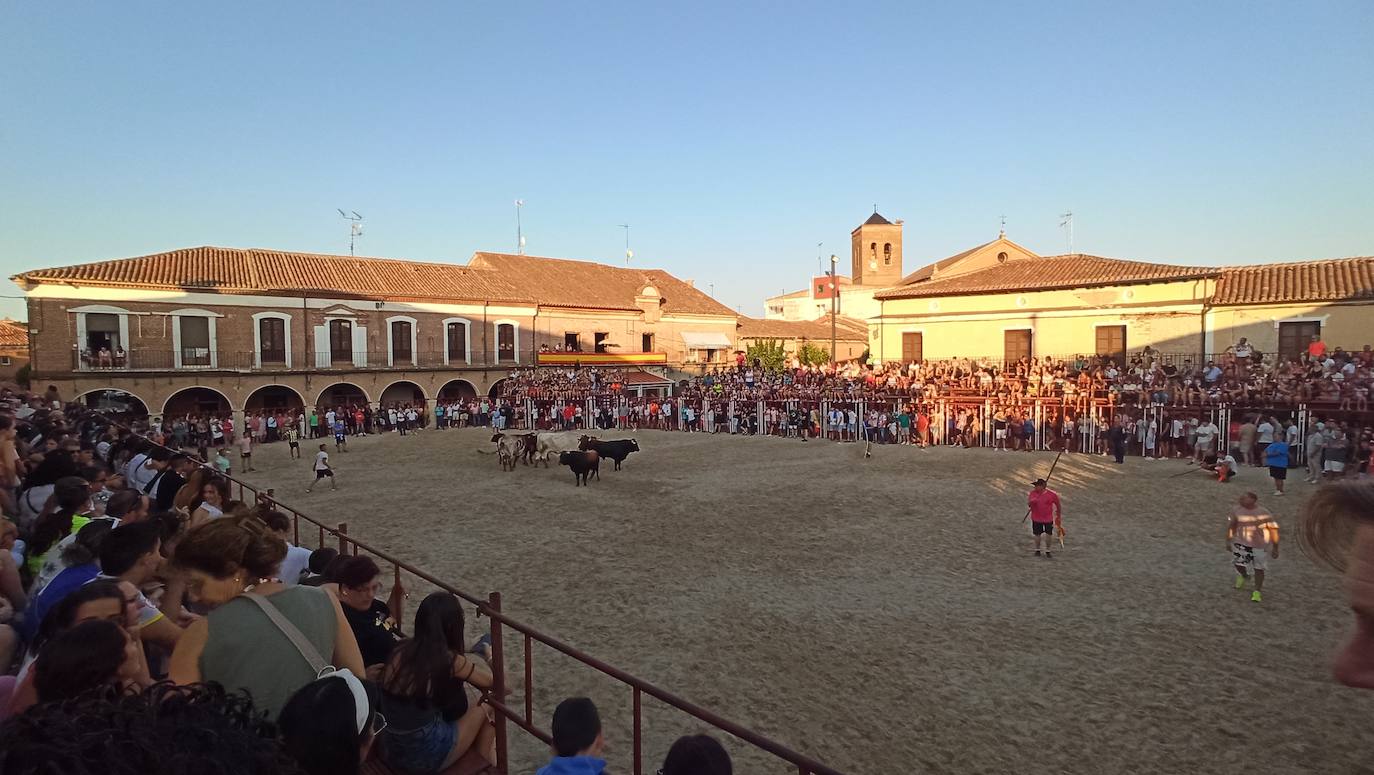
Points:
[(432, 721)]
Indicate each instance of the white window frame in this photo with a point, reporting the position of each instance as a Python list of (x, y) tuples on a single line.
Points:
[(257, 336), (414, 339), (176, 316), (496, 339), (101, 309), (467, 338)]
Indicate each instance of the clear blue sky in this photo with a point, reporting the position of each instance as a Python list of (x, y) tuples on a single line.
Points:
[(732, 136)]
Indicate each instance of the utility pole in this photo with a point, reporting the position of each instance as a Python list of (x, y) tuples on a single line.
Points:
[(519, 231), (834, 298)]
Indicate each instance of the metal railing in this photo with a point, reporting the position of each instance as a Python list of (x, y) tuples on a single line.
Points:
[(490, 607), (142, 359)]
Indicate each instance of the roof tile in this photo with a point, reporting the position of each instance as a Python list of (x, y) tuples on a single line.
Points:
[(1071, 271), (1340, 279), (488, 277), (561, 282)]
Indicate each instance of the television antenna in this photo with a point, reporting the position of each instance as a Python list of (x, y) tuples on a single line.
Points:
[(355, 227), (1066, 222), (519, 234), (629, 254)]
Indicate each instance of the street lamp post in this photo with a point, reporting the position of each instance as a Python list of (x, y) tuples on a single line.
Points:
[(834, 297)]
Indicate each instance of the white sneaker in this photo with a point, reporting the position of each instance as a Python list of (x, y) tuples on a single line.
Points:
[(1278, 493)]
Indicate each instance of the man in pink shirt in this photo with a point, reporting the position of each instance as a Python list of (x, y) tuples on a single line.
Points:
[(1045, 513)]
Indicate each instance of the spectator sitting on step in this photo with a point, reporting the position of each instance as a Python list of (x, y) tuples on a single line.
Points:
[(87, 657), (577, 740), (696, 755), (319, 570), (227, 562), (359, 581), (432, 722), (329, 725), (163, 730)]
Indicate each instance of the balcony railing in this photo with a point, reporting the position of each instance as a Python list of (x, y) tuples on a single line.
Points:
[(200, 359)]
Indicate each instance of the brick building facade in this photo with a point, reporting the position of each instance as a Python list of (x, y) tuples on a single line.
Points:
[(231, 330)]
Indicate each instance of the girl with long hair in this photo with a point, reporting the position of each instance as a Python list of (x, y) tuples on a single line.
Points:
[(431, 724)]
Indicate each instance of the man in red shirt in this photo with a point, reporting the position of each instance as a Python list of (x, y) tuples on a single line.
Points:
[(1045, 513), (1317, 348)]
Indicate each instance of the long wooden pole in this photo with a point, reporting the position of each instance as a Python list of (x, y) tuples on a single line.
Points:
[(1047, 479)]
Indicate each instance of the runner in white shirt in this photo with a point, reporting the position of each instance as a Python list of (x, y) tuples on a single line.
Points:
[(1206, 440), (322, 470)]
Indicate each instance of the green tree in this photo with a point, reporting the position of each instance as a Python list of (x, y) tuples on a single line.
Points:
[(813, 354), (769, 352)]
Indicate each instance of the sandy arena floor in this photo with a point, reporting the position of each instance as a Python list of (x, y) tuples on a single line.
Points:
[(884, 616)]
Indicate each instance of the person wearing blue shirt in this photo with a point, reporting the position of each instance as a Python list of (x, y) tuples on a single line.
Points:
[(1276, 457), (577, 740)]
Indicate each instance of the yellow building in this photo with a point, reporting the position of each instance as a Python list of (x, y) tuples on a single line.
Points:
[(1001, 301)]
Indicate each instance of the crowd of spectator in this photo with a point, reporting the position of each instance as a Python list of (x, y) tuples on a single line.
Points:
[(150, 622), (1240, 376)]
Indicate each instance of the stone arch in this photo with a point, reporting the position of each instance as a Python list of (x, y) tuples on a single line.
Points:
[(274, 397), (403, 391), (197, 399), (114, 400), (457, 389), (495, 390), (342, 394)]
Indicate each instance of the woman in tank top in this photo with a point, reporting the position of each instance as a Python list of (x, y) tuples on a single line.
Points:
[(214, 498), (430, 723), (237, 644)]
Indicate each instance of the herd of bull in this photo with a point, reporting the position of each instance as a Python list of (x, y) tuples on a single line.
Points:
[(580, 453)]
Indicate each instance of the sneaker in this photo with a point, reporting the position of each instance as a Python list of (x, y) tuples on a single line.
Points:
[(1240, 581), (1278, 493), (1255, 596), (1048, 555), (1037, 552)]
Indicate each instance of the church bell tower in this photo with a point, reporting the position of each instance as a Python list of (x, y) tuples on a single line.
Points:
[(877, 251)]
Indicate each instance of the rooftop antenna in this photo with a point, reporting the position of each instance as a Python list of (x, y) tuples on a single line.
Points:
[(1001, 233), (355, 227), (519, 235), (1066, 221), (629, 254), (819, 271)]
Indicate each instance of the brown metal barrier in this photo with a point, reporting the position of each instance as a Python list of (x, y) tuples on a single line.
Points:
[(491, 608)]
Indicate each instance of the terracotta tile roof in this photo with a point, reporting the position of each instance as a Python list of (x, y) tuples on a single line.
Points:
[(846, 329), (1048, 272), (488, 277), (14, 333), (560, 282), (640, 377), (254, 270), (1339, 279)]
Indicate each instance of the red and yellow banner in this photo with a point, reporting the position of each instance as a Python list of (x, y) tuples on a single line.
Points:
[(601, 359)]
